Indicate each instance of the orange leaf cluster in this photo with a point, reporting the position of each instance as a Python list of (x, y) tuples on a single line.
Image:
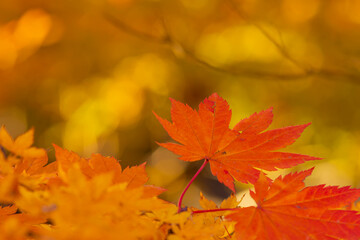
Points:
[(96, 198), (79, 198)]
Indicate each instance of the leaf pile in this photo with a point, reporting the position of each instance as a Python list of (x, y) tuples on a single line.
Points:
[(96, 198)]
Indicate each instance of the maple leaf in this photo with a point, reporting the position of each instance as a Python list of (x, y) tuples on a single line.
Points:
[(21, 146), (21, 165), (213, 212), (229, 203), (198, 227), (24, 157), (287, 210), (232, 153), (97, 164), (96, 208)]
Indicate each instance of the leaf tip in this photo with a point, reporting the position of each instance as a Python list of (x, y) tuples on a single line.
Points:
[(55, 146)]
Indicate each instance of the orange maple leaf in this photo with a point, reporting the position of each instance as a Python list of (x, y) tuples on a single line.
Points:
[(97, 164), (135, 176), (287, 210), (21, 165), (232, 153), (21, 146), (28, 159)]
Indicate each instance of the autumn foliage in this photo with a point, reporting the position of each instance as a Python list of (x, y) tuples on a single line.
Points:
[(96, 198)]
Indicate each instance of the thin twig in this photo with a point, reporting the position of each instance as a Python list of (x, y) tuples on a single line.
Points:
[(139, 34), (280, 48), (169, 41), (214, 210)]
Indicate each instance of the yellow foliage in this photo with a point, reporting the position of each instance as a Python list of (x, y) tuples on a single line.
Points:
[(87, 198)]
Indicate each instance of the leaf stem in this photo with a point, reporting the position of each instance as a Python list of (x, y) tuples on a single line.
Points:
[(227, 231), (215, 210), (192, 179)]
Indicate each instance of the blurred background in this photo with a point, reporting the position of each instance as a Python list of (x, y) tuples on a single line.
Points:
[(88, 74)]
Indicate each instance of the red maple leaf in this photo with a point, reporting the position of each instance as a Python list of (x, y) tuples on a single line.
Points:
[(287, 210), (232, 153)]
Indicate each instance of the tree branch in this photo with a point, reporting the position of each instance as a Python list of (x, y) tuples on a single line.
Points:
[(180, 51)]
